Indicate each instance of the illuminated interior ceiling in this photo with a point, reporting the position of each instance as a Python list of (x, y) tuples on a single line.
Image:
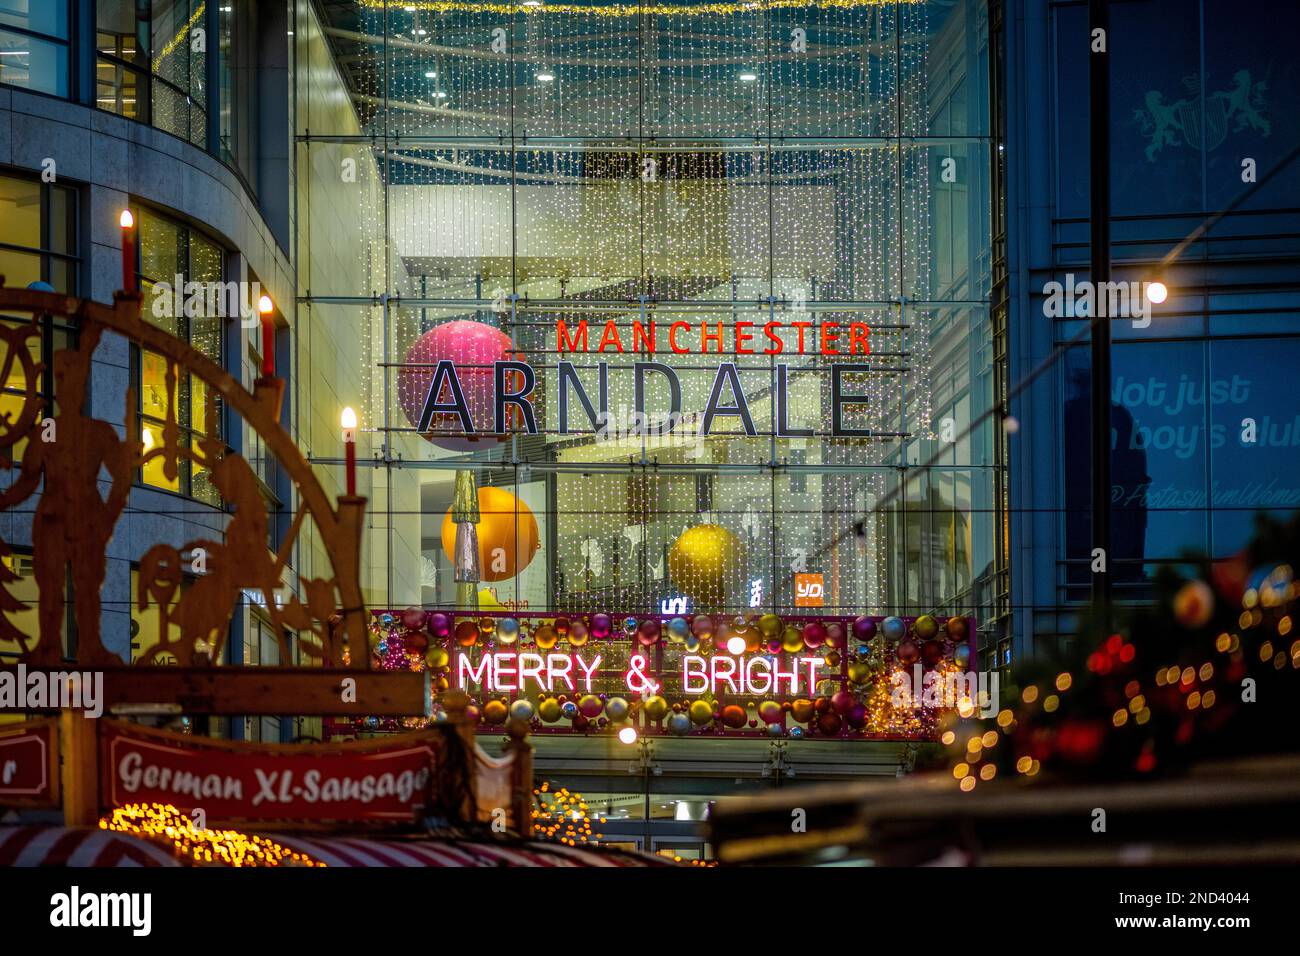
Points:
[(591, 92)]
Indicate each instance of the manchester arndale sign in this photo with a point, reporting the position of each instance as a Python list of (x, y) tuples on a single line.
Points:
[(513, 381)]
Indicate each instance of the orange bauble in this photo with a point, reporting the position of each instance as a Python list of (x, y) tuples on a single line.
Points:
[(507, 534)]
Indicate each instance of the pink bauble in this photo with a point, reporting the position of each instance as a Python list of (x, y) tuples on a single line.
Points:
[(473, 347)]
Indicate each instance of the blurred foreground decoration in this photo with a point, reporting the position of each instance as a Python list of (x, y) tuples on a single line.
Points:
[(1208, 670), (1169, 742), (62, 451)]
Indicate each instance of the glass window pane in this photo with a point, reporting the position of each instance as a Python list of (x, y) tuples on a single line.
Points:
[(20, 213), (49, 17), (34, 64)]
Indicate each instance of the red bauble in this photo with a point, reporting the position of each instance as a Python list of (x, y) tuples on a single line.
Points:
[(932, 652), (733, 716), (843, 702), (908, 652), (830, 723)]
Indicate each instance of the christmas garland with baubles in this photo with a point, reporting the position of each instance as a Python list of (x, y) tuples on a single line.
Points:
[(1208, 670)]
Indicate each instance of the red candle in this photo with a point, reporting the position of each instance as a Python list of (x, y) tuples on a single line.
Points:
[(349, 422), (265, 307), (127, 222)]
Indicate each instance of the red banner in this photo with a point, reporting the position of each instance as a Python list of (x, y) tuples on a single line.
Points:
[(29, 764), (364, 780)]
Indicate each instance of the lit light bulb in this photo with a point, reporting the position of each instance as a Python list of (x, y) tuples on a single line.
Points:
[(265, 305), (126, 220), (748, 77), (1157, 292), (735, 645), (348, 419), (627, 735), (545, 77)]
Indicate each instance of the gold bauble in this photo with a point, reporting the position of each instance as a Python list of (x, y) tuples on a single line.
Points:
[(545, 637), (703, 560), (495, 712), (507, 534), (656, 707), (859, 672), (770, 625), (436, 658), (701, 712), (549, 710), (803, 710), (792, 640)]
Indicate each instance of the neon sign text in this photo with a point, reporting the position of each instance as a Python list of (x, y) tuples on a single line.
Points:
[(508, 671)]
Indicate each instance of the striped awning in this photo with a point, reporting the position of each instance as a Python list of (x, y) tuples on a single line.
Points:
[(76, 846), (440, 852)]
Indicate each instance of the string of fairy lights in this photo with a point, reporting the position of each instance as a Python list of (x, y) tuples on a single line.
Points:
[(451, 213), (168, 826)]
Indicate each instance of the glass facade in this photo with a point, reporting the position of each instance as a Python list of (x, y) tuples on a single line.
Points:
[(1206, 431), (691, 186)]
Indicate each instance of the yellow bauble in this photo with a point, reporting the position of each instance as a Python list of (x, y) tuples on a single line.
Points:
[(701, 712), (507, 534), (859, 672), (549, 710), (792, 640), (437, 658), (545, 637), (770, 625), (656, 707), (703, 560), (495, 712)]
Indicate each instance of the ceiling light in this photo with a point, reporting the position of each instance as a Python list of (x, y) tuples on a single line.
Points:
[(430, 74), (748, 77), (545, 77)]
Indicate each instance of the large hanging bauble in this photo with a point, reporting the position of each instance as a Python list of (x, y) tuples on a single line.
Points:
[(473, 347), (569, 710), (655, 707), (701, 712), (961, 654), (770, 712), (545, 637), (703, 560), (679, 725), (925, 627), (956, 628), (792, 640), (856, 717), (893, 628), (770, 625), (802, 710), (495, 712), (908, 653), (438, 626), (616, 709), (647, 633), (507, 534), (835, 636), (932, 652), (577, 634), (521, 709), (830, 723), (549, 710), (814, 634), (601, 626), (590, 706), (412, 618), (466, 633), (678, 630), (436, 658), (507, 630), (733, 716), (859, 672), (701, 625), (775, 730), (842, 702), (864, 629)]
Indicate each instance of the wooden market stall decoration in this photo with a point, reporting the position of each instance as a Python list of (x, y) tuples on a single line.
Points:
[(87, 765)]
